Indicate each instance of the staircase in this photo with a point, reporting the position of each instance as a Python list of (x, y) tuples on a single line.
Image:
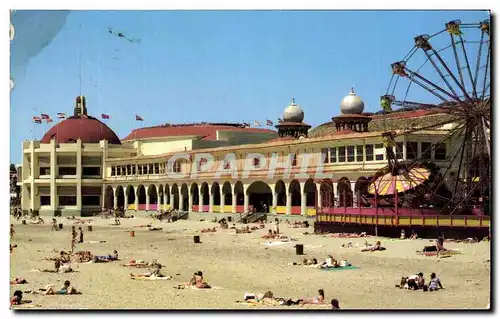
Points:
[(253, 217), (182, 214)]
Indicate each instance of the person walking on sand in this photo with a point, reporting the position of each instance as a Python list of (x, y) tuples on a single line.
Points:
[(54, 225), (80, 241), (73, 238), (277, 226), (12, 232)]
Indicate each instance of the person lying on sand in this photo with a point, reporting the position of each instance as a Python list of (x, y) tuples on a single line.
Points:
[(196, 281), (208, 230), (67, 289), (146, 225), (348, 245), (244, 230), (269, 235), (435, 283), (18, 281), (106, 258), (413, 282), (137, 264), (376, 247), (154, 228), (17, 299), (83, 256), (156, 273), (320, 299), (306, 262)]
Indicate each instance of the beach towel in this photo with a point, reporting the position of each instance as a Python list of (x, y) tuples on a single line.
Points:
[(153, 278), (446, 253), (276, 243), (94, 242), (340, 268)]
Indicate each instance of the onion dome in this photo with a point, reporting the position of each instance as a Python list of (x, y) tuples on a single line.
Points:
[(352, 104), (293, 113)]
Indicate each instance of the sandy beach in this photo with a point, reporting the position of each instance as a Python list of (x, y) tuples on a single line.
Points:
[(240, 263)]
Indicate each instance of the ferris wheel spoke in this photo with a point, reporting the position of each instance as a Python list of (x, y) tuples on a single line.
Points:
[(486, 83), (467, 64), (443, 77), (466, 95), (435, 86), (478, 63), (406, 103), (457, 60)]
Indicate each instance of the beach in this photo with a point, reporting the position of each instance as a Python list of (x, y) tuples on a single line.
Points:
[(235, 264)]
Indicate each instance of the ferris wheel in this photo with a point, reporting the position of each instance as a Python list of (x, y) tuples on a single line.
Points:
[(446, 73)]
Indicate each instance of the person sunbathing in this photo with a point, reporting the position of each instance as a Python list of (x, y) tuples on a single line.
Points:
[(413, 235), (106, 258), (137, 264), (199, 283), (348, 245), (335, 304), (154, 228), (435, 283), (67, 289), (146, 225), (156, 273), (376, 247), (83, 256), (11, 247), (17, 299), (320, 299), (18, 281), (209, 230), (64, 257)]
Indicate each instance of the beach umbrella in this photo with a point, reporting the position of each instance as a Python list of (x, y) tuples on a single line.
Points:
[(389, 184)]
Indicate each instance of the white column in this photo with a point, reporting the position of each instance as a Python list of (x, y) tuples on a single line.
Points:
[(190, 201), (34, 174), (233, 203), (288, 203), (303, 203), (158, 201), (79, 176), (115, 198), (165, 196), (53, 175), (354, 195), (136, 192), (222, 202), (211, 203), (246, 202), (200, 201), (181, 200), (275, 203), (319, 198), (335, 195), (125, 202)]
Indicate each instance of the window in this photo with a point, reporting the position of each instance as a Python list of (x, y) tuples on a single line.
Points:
[(150, 168), (157, 168), (440, 151), (324, 154), (113, 170), (44, 171), (177, 166), (133, 168), (379, 152), (45, 200), (91, 171), (359, 153), (91, 200), (399, 150), (256, 162), (411, 150), (202, 162), (333, 155), (369, 152), (67, 200), (294, 159), (67, 170), (341, 154), (227, 164), (426, 150), (350, 153)]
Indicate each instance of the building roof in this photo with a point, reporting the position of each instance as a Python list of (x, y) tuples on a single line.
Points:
[(86, 128), (392, 121), (207, 131)]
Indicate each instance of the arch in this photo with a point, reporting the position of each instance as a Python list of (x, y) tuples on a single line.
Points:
[(205, 194), (130, 195), (344, 192), (184, 196), (109, 198), (361, 190), (166, 190), (215, 191), (161, 197), (294, 191), (175, 197), (153, 195), (327, 193), (311, 193), (195, 194), (281, 193), (227, 193), (260, 196), (120, 197), (141, 194), (238, 191)]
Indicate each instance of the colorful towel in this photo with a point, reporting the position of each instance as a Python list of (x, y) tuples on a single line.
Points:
[(340, 268), (152, 278)]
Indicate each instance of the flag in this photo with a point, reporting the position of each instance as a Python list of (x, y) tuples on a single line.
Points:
[(138, 118), (255, 123), (269, 123), (84, 116), (45, 116), (49, 120), (61, 115), (105, 116), (280, 120), (37, 119)]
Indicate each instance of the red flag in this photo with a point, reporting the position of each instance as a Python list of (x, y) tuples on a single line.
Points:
[(138, 118), (45, 116), (49, 120), (269, 123), (37, 119), (105, 116), (61, 115)]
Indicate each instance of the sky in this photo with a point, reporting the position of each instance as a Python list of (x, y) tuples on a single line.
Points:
[(212, 66)]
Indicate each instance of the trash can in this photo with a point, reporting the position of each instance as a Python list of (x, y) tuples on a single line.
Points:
[(89, 228), (60, 226), (299, 249), (132, 233), (197, 239)]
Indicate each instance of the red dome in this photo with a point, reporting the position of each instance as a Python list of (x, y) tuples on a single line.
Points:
[(87, 129)]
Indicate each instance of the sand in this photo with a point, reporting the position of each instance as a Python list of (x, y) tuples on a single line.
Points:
[(242, 263)]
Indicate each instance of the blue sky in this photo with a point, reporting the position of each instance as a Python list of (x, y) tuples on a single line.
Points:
[(214, 66)]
